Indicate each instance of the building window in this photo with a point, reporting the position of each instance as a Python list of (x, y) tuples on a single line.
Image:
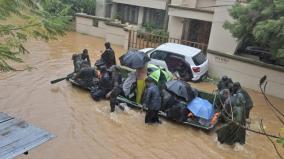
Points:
[(154, 17), (196, 31), (128, 13)]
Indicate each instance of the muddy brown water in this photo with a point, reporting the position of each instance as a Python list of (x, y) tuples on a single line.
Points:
[(86, 129)]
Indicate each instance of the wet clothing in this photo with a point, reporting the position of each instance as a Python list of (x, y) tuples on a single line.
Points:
[(116, 91), (152, 116), (225, 84), (178, 112), (129, 86), (85, 57), (103, 87), (232, 132), (168, 100), (152, 100), (248, 102), (108, 57), (116, 88), (105, 82), (77, 61), (85, 77), (152, 97)]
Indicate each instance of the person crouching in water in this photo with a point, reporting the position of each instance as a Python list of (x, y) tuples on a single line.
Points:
[(104, 85), (152, 100), (85, 76), (78, 59)]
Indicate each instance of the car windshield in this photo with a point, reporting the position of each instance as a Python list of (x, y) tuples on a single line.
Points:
[(147, 52), (199, 59)]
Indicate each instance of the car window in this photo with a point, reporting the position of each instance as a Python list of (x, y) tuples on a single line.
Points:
[(159, 55), (199, 59)]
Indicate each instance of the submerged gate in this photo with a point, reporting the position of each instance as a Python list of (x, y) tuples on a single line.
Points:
[(141, 40)]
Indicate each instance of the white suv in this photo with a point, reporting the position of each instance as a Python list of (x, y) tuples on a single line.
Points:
[(189, 62)]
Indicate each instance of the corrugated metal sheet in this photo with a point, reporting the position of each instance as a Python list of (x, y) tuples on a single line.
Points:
[(18, 136)]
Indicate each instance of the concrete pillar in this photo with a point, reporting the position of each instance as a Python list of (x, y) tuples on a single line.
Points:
[(100, 8), (113, 10), (140, 16), (175, 27), (221, 40)]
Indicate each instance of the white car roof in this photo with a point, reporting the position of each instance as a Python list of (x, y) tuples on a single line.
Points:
[(184, 50)]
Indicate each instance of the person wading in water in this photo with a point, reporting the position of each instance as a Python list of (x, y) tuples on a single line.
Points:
[(152, 100)]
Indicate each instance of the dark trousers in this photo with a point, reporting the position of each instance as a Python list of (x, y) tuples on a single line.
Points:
[(116, 91), (152, 116)]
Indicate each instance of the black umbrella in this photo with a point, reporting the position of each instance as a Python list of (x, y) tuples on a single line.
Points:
[(181, 89), (134, 59)]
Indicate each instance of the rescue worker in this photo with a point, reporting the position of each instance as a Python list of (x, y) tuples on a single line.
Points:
[(116, 79), (225, 83), (108, 56), (152, 100), (78, 59), (85, 76), (234, 130), (104, 85), (248, 101), (85, 57)]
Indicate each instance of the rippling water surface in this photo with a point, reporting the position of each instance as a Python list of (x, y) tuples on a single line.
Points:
[(86, 129)]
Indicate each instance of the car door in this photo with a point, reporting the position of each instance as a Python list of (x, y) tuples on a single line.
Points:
[(158, 58), (177, 63)]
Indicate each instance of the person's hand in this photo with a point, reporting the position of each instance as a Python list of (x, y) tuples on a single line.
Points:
[(108, 95), (143, 106)]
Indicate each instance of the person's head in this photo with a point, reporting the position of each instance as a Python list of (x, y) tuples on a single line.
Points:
[(107, 45), (225, 93), (85, 51), (236, 87), (225, 78), (149, 80), (141, 73)]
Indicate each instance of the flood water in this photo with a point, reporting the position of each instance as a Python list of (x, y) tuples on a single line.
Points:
[(85, 129)]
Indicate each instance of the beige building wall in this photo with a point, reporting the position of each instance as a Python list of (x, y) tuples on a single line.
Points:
[(247, 74), (220, 39), (185, 3), (156, 4), (206, 4), (190, 13), (113, 34), (175, 27)]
